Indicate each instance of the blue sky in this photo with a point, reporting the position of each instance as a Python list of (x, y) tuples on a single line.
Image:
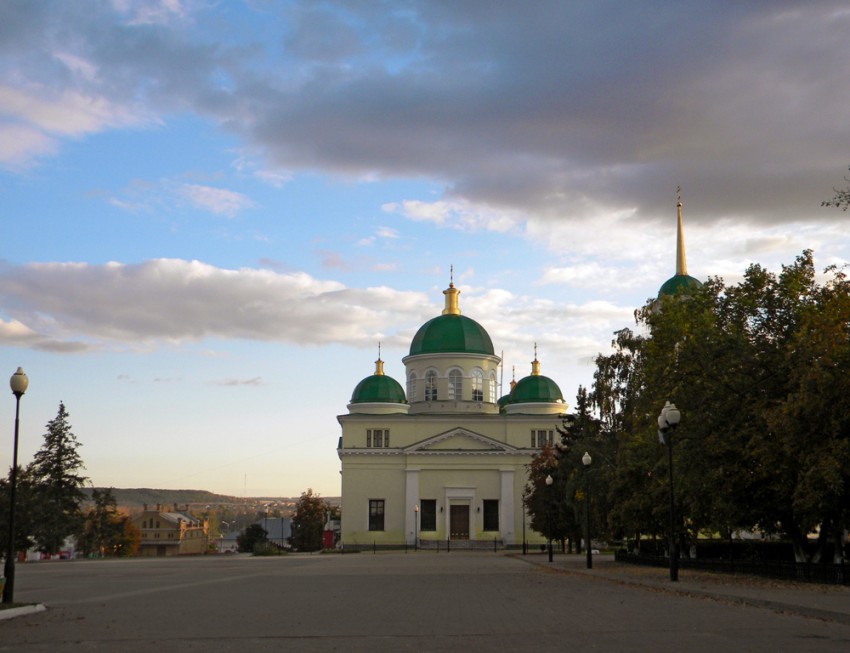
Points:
[(213, 212)]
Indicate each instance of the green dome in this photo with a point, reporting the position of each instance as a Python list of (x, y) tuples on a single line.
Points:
[(378, 388), (679, 283), (536, 389), (451, 333)]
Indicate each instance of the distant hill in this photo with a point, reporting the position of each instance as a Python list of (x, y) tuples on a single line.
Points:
[(136, 498)]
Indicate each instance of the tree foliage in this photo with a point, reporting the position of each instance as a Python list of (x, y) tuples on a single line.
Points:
[(758, 371), (105, 532), (560, 506), (308, 520), (253, 535), (26, 498)]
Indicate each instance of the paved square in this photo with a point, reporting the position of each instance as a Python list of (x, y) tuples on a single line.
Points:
[(386, 602)]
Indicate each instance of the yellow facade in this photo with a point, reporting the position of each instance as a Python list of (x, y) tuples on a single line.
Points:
[(448, 462), (171, 532)]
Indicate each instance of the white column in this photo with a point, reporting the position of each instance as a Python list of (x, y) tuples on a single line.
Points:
[(411, 499), (507, 503)]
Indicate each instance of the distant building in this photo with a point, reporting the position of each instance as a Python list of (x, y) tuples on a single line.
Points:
[(278, 530), (171, 532)]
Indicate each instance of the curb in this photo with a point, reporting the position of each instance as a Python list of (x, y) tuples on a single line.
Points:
[(11, 613)]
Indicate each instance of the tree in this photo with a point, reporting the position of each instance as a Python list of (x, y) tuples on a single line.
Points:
[(759, 372), (106, 532), (308, 521), (251, 537), (25, 501), (55, 470)]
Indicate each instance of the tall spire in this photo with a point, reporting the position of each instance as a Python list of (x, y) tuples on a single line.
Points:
[(681, 265), (451, 294), (535, 364), (379, 364)]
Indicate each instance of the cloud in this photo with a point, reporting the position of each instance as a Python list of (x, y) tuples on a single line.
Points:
[(546, 113), (462, 215), (216, 200), (166, 302), (256, 381)]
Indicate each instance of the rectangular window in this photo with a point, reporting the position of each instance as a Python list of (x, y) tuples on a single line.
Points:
[(428, 515), (376, 514), (378, 438), (491, 514), (541, 437)]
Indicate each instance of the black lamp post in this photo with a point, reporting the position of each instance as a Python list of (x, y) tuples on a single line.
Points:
[(416, 527), (586, 460), (18, 383), (668, 420), (549, 481)]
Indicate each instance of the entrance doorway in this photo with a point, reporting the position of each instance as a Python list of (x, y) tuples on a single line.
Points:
[(459, 522)]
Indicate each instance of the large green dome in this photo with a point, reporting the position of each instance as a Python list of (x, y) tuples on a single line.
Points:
[(451, 333), (378, 388), (536, 389), (679, 283)]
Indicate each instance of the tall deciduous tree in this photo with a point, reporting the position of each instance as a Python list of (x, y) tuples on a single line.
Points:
[(311, 512), (56, 471), (758, 371)]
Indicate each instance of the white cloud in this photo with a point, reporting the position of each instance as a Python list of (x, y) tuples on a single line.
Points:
[(216, 200), (462, 215), (169, 301)]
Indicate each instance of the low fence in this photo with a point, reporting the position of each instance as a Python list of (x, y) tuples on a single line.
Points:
[(427, 545), (829, 574)]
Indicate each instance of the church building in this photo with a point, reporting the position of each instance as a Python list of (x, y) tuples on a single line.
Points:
[(445, 460)]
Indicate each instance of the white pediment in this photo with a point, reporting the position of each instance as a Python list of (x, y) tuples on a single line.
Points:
[(460, 440)]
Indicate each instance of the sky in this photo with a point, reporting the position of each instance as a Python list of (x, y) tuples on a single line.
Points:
[(212, 212)]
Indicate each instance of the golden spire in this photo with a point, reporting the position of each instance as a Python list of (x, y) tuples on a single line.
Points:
[(535, 364), (451, 294), (513, 377), (379, 364), (681, 266)]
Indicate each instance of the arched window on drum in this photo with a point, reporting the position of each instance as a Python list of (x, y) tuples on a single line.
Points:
[(477, 385)]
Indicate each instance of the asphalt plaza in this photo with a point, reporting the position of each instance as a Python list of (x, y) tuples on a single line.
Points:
[(423, 601)]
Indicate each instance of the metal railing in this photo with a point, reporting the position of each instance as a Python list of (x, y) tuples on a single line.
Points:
[(824, 573), (428, 545)]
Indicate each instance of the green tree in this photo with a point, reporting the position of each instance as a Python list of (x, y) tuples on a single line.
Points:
[(55, 471), (253, 535), (757, 370), (308, 521), (105, 531), (542, 501), (25, 500)]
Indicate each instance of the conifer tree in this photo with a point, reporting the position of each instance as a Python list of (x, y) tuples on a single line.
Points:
[(56, 471)]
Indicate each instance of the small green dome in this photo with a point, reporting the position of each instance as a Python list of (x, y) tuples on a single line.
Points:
[(536, 389), (679, 283), (378, 388), (451, 333)]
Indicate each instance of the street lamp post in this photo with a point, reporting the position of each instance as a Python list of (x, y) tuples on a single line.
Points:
[(586, 460), (668, 420), (18, 383), (416, 527), (549, 481)]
